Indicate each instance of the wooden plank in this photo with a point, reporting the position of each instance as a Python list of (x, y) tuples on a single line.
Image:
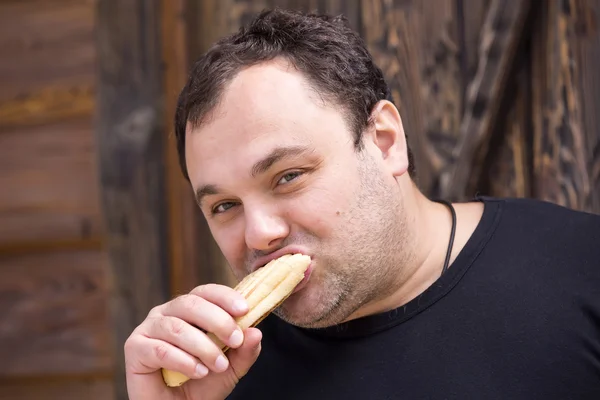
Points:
[(390, 32), (501, 36), (56, 389), (560, 144), (49, 184), (54, 314), (130, 135), (586, 43), (45, 45), (437, 41), (470, 18), (48, 105), (506, 171), (179, 197)]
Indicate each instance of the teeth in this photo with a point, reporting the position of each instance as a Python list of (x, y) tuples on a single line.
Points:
[(264, 289)]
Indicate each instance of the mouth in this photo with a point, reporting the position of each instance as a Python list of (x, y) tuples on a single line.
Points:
[(262, 261), (304, 281)]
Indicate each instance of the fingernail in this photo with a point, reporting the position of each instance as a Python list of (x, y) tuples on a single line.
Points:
[(201, 370), (240, 306), (221, 364), (236, 338)]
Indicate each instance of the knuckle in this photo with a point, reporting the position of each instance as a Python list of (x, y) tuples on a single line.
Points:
[(192, 302), (161, 352), (173, 326), (154, 311), (128, 346)]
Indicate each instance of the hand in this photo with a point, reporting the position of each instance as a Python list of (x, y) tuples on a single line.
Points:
[(169, 338)]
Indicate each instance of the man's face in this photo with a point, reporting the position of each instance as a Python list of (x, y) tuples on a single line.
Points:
[(276, 170)]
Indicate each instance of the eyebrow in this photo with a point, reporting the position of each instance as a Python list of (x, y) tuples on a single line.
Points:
[(260, 167), (277, 154)]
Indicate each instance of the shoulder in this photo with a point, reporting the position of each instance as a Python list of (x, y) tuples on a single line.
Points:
[(543, 217), (546, 234)]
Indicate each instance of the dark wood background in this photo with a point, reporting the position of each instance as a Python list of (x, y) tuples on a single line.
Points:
[(499, 97)]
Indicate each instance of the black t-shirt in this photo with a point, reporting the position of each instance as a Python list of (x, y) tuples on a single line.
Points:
[(517, 316)]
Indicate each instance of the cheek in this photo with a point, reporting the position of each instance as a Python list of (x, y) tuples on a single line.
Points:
[(321, 211), (231, 242)]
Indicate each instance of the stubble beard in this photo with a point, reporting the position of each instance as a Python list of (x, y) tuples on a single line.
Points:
[(365, 267)]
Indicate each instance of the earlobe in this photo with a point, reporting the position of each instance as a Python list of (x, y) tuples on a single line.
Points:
[(389, 138)]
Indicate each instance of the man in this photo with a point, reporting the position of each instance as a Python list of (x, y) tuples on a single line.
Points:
[(289, 139)]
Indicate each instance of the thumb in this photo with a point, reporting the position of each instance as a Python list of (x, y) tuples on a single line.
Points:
[(242, 358)]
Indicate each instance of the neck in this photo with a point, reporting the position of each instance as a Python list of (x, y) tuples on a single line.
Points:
[(430, 224)]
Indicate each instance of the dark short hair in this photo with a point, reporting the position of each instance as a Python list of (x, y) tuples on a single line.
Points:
[(331, 55)]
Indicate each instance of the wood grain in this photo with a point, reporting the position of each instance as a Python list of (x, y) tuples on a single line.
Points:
[(45, 44), (390, 32), (57, 389), (506, 171), (49, 183), (130, 134), (53, 314), (560, 144), (48, 105), (501, 36), (586, 50), (437, 42)]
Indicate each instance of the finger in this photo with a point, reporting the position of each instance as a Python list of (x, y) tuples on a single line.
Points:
[(242, 358), (154, 354), (223, 296), (206, 316), (189, 339)]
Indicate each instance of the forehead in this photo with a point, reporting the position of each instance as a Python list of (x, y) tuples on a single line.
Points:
[(264, 106)]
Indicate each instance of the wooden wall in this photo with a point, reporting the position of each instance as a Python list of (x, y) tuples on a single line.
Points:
[(97, 225), (55, 330)]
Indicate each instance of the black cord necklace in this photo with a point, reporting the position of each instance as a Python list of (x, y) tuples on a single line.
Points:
[(452, 232)]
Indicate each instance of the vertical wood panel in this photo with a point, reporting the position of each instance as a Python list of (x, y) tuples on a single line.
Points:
[(45, 44), (130, 138), (438, 44), (389, 30), (507, 168), (586, 42), (560, 167)]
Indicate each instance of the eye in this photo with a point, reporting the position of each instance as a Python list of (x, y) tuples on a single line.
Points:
[(290, 176), (222, 207)]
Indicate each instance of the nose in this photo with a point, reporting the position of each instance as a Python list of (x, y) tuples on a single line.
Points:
[(264, 229)]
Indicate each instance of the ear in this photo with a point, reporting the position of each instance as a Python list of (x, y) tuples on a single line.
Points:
[(387, 134)]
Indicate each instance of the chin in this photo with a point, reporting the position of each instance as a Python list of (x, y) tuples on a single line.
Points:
[(307, 308)]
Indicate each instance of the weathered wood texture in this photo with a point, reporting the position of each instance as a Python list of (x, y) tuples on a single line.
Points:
[(507, 169), (47, 60), (585, 41), (566, 141), (49, 184), (500, 38), (130, 135), (180, 200), (55, 330), (56, 389), (54, 314)]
